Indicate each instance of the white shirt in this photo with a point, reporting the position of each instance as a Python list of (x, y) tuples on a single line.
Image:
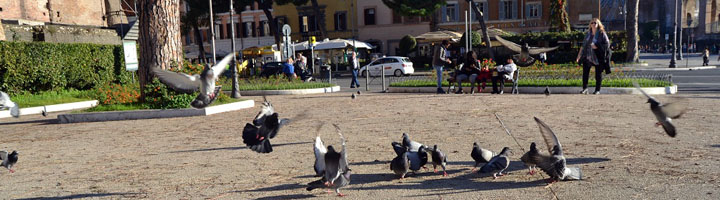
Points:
[(509, 69)]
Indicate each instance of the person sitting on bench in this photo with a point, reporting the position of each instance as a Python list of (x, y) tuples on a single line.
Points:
[(504, 72), (469, 71)]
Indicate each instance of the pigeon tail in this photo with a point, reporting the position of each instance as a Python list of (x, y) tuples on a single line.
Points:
[(573, 173), (263, 147), (15, 111), (250, 135)]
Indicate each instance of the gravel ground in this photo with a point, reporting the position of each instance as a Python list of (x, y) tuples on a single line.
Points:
[(611, 137)]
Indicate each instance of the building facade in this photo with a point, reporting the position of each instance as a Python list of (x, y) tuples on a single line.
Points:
[(104, 13), (337, 15), (383, 28), (509, 15)]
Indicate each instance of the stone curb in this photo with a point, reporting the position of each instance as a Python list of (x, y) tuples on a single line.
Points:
[(668, 69), (553, 90), (52, 108), (288, 92), (153, 114)]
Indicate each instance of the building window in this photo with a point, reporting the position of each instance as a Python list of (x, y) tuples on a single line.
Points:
[(341, 21), (450, 12), (264, 28), (247, 29), (534, 10), (507, 5), (280, 21), (369, 16), (228, 30), (508, 10), (397, 18), (238, 30), (254, 29), (220, 32)]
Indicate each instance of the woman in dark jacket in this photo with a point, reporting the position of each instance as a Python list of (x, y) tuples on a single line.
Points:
[(595, 52)]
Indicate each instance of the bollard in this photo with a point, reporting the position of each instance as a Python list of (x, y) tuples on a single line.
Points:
[(383, 78), (329, 74), (367, 80)]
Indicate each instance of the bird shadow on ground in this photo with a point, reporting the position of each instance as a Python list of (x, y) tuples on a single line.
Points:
[(715, 145), (376, 162), (702, 97), (453, 185), (577, 161), (82, 196), (289, 196), (40, 121), (233, 148), (289, 186)]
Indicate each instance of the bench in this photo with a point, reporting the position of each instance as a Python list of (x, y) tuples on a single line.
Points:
[(452, 81)]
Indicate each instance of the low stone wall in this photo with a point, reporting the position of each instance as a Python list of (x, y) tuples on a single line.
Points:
[(60, 34)]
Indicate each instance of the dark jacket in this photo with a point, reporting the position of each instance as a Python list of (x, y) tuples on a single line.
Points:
[(601, 55)]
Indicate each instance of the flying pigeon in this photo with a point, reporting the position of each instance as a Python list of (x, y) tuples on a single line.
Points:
[(555, 164), (44, 111), (358, 92), (337, 170), (497, 164), (8, 160), (439, 158), (480, 155), (320, 151), (665, 112), (265, 126), (204, 82), (5, 102), (523, 59), (401, 163), (547, 91)]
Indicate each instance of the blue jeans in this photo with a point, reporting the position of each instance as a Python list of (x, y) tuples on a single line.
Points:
[(439, 71), (354, 78)]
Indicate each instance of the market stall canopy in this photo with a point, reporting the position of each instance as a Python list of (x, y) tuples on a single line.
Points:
[(437, 36), (256, 51), (333, 44)]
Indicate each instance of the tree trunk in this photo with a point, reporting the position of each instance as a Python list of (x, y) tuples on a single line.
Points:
[(632, 31), (266, 6), (199, 42), (160, 44), (320, 19), (483, 27)]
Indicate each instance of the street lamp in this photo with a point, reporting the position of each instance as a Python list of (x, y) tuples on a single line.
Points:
[(674, 45)]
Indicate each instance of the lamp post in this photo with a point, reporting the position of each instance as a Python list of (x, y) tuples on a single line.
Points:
[(674, 43), (678, 19), (212, 31), (233, 67)]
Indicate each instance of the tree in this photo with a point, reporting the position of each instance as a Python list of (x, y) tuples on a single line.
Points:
[(320, 18), (407, 45), (632, 31), (483, 27), (558, 16), (476, 39), (197, 16), (417, 8), (160, 43)]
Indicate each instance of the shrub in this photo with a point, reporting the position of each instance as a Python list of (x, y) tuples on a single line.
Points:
[(117, 94), (37, 66), (407, 45), (158, 96)]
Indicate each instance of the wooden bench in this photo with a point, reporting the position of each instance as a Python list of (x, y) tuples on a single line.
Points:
[(452, 81)]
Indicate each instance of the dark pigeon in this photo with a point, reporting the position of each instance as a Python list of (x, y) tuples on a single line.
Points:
[(352, 96), (203, 82), (523, 58), (531, 158), (400, 165), (44, 111), (554, 165), (480, 155), (8, 160), (547, 91), (497, 164), (439, 158), (665, 112), (265, 127)]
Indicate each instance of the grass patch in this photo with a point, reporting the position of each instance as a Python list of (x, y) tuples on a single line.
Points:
[(546, 82), (272, 83), (50, 98), (143, 106)]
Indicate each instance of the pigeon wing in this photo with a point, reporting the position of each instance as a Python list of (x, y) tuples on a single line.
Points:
[(5, 100), (669, 128), (550, 138), (320, 151), (539, 50), (219, 68), (637, 86), (344, 166), (15, 111), (4, 157), (398, 148), (675, 109), (510, 45), (180, 82)]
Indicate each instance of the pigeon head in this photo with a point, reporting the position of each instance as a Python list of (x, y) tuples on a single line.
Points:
[(533, 147), (475, 144), (653, 102), (505, 151), (331, 149), (556, 150), (207, 73), (435, 149), (406, 139), (526, 47)]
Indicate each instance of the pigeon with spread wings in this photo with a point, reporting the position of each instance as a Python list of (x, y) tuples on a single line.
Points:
[(523, 58), (665, 112), (554, 164), (264, 127), (5, 102), (337, 170), (204, 82)]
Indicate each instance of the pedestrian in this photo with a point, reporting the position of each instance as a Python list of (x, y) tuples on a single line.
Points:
[(504, 72), (289, 69), (706, 57), (469, 71), (543, 57), (355, 65), (594, 52), (440, 59)]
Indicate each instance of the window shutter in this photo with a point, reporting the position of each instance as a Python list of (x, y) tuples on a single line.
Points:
[(486, 14), (502, 10), (528, 9), (457, 13), (443, 17), (539, 8), (514, 9)]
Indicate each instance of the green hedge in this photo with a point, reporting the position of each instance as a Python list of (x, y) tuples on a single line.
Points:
[(568, 52), (38, 66)]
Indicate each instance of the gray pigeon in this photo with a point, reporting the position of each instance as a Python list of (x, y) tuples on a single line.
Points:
[(412, 145), (8, 160), (480, 155), (337, 170), (531, 158), (665, 112), (418, 159), (264, 127), (44, 111), (320, 151), (497, 164), (555, 164), (5, 102), (547, 91), (439, 158), (523, 58), (400, 165), (204, 82)]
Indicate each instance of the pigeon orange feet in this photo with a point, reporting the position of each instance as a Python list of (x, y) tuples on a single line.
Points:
[(445, 174), (341, 195)]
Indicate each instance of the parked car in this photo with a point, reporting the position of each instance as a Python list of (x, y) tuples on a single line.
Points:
[(395, 65), (273, 68)]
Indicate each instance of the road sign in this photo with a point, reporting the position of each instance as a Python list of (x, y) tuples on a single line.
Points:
[(286, 30), (131, 61), (312, 40)]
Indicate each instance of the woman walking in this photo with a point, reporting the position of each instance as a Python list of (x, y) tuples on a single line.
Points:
[(595, 52)]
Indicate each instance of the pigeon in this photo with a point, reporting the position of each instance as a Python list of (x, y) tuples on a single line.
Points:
[(665, 112), (412, 145), (204, 82), (337, 170), (547, 91), (531, 158), (523, 59), (44, 111), (554, 165), (265, 126), (400, 165), (5, 102), (418, 159), (497, 164), (480, 155), (439, 158), (352, 96), (320, 151), (8, 160), (358, 92)]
